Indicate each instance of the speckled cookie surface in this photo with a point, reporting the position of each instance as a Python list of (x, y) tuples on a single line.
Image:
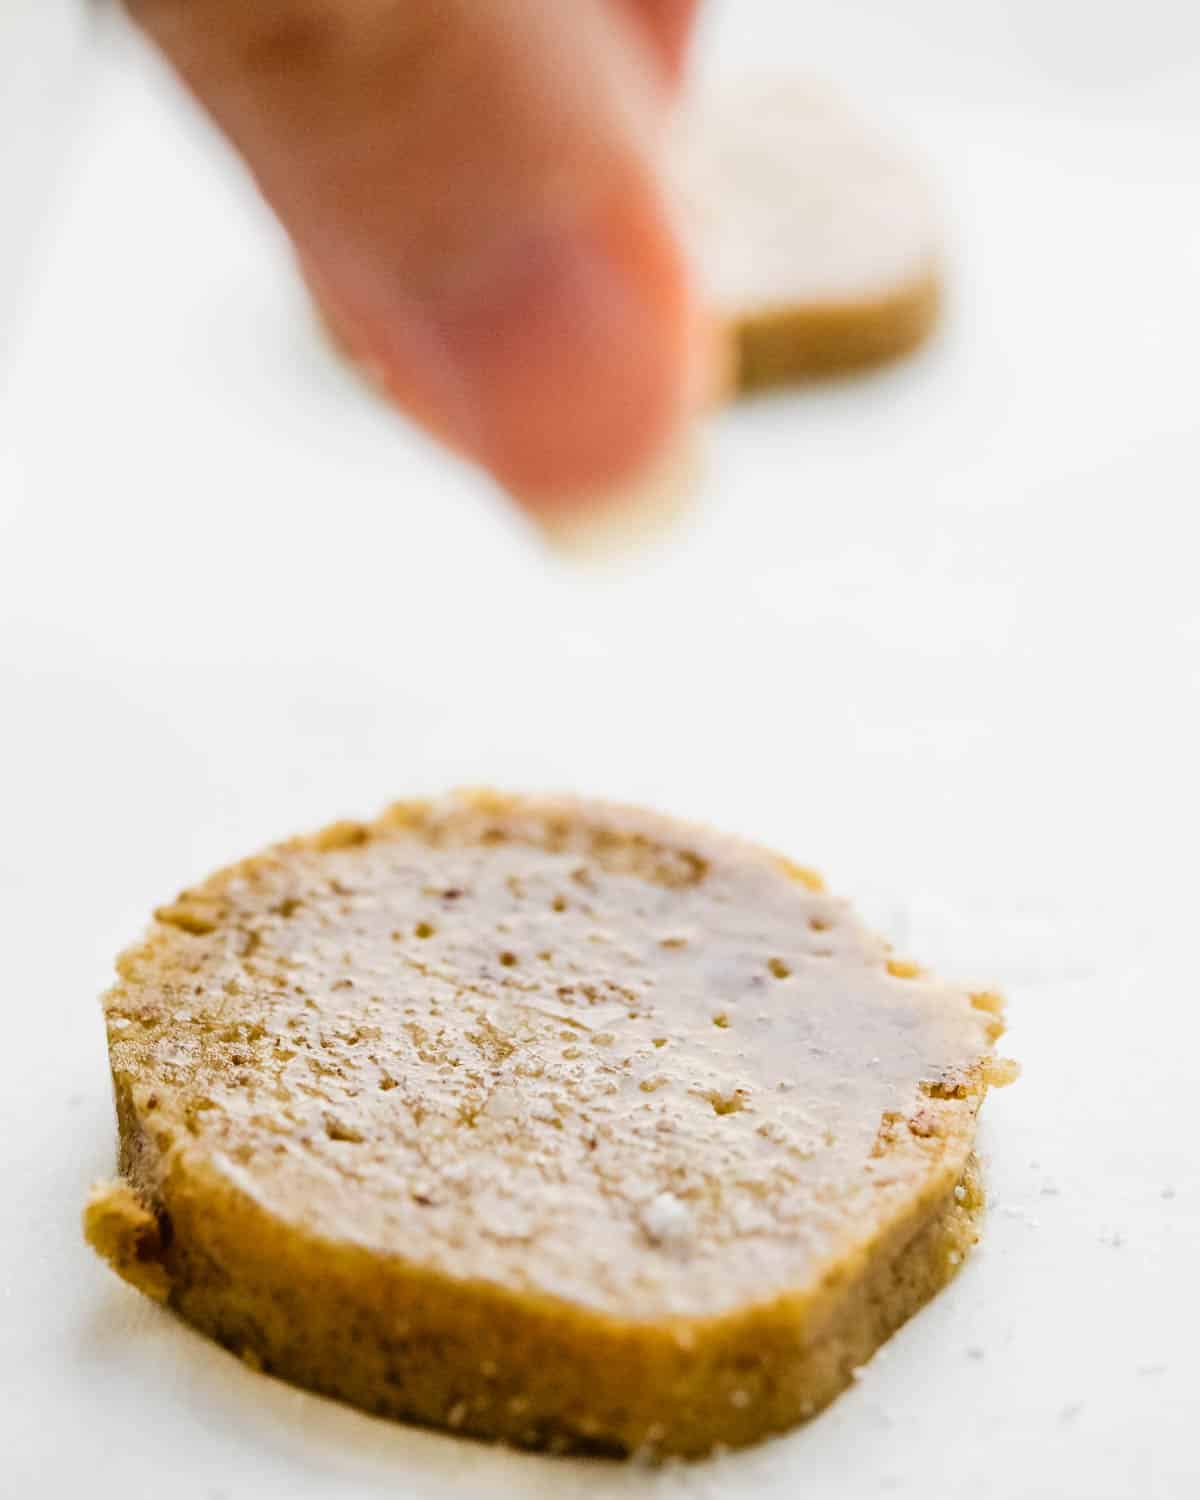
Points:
[(542, 1119)]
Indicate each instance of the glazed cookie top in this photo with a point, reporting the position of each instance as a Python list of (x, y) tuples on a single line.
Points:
[(574, 1050), (790, 200)]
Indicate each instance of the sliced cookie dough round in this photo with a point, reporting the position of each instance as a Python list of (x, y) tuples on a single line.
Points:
[(814, 239), (540, 1120)]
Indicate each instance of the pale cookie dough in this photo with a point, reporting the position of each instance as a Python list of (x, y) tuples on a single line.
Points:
[(814, 238), (540, 1120)]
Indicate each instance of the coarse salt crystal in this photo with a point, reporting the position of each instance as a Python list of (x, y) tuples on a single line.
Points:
[(667, 1220)]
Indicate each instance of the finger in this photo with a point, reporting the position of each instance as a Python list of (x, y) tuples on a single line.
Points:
[(469, 184), (669, 24)]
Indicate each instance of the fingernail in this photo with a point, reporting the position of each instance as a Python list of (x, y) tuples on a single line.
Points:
[(640, 512)]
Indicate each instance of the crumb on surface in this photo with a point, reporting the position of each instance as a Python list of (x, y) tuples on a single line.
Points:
[(126, 1234)]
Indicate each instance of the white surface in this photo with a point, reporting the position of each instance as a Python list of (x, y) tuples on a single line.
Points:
[(937, 632), (42, 45)]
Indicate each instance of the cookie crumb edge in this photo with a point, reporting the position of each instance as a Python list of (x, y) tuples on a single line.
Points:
[(125, 1233)]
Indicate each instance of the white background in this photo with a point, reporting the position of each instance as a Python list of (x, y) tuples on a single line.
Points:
[(936, 631)]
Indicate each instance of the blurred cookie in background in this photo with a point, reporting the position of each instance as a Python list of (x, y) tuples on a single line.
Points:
[(815, 239)]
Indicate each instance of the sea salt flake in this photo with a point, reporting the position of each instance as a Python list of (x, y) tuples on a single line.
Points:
[(667, 1220)]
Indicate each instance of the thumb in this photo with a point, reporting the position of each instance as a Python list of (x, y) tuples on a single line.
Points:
[(470, 187)]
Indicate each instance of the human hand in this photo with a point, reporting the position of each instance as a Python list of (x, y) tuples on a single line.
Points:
[(471, 189)]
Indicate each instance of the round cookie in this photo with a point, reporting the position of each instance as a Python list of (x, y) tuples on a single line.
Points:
[(813, 238), (541, 1120)]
